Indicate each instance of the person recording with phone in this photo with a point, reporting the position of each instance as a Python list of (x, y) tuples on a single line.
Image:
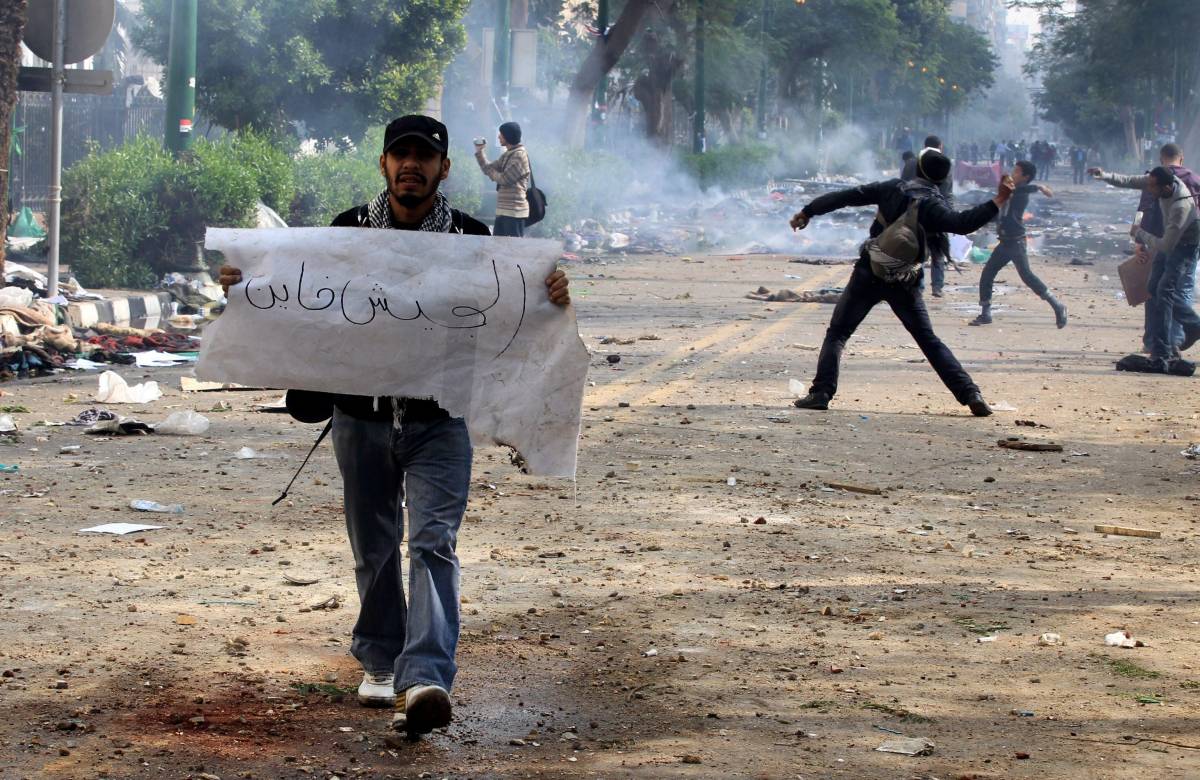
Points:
[(513, 177)]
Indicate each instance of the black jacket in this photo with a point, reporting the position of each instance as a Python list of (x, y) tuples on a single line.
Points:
[(892, 197), (314, 407), (1012, 217)]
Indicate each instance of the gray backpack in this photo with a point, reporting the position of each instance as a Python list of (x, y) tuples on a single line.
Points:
[(898, 253)]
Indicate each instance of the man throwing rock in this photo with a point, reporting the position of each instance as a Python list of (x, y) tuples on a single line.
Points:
[(889, 269)]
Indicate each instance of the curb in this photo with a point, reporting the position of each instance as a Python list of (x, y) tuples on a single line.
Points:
[(146, 310)]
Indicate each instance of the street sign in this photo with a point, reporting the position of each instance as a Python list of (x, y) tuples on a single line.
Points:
[(79, 82), (89, 23)]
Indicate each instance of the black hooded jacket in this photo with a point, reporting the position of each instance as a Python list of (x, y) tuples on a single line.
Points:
[(892, 197)]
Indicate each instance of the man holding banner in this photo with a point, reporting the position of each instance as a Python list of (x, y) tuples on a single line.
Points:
[(396, 452)]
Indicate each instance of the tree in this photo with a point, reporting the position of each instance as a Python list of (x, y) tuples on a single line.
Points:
[(12, 27), (1115, 70), (332, 66), (599, 61)]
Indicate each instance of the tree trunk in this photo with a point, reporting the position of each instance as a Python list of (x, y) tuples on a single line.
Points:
[(12, 25), (599, 62), (1133, 148), (519, 14), (653, 89)]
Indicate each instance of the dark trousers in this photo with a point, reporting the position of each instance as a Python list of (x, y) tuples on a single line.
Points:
[(1010, 251), (1167, 304), (1078, 172), (863, 292), (513, 227)]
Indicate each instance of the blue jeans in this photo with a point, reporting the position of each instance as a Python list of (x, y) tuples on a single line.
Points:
[(1189, 298), (1167, 304), (430, 463)]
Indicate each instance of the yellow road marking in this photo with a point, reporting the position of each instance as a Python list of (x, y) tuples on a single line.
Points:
[(622, 387)]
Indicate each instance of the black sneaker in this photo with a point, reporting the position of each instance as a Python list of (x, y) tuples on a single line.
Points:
[(814, 400), (978, 406), (938, 293), (982, 319)]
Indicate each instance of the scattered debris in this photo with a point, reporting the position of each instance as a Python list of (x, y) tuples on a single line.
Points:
[(823, 295), (142, 505), (295, 579), (1050, 640), (1122, 639), (184, 423), (1016, 443), (866, 491), (1120, 530), (907, 746), (119, 529), (114, 390)]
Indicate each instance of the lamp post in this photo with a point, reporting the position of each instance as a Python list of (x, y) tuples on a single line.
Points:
[(699, 144), (181, 77)]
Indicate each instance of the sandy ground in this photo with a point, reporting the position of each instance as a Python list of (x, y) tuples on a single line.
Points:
[(699, 605)]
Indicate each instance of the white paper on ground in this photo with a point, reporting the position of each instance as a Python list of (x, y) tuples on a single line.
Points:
[(464, 320), (960, 247), (120, 529), (114, 390), (156, 359), (83, 364)]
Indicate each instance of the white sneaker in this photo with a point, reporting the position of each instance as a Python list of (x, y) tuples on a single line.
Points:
[(376, 690), (422, 709)]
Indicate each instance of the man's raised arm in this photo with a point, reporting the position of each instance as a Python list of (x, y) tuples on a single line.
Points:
[(863, 195)]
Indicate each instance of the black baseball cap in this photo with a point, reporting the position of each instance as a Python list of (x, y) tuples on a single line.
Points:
[(426, 128)]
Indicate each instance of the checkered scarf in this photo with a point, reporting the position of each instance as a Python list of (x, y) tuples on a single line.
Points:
[(379, 214)]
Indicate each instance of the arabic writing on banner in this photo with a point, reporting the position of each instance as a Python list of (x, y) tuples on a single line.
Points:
[(464, 320)]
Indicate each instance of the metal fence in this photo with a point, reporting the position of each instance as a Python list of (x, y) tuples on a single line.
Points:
[(89, 121)]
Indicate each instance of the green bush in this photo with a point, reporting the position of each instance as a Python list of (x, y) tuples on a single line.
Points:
[(328, 183), (133, 213), (331, 181), (110, 218), (733, 166)]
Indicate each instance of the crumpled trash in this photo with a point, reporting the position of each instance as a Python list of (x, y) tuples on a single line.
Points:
[(1192, 452), (92, 416), (120, 426), (114, 390), (1122, 639), (245, 453), (185, 423), (1050, 640), (156, 359), (7, 424), (142, 505), (15, 298)]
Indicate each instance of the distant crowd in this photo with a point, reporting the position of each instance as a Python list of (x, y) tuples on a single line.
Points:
[(1046, 155)]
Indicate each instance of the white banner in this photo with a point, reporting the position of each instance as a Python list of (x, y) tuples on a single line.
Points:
[(464, 320)]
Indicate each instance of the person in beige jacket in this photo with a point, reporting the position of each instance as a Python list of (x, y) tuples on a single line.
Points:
[(513, 176), (1179, 247)]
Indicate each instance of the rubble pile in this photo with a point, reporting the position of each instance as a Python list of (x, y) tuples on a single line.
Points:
[(37, 338)]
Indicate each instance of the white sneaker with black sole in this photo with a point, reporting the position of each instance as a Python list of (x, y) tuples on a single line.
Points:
[(421, 709), (377, 690)]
